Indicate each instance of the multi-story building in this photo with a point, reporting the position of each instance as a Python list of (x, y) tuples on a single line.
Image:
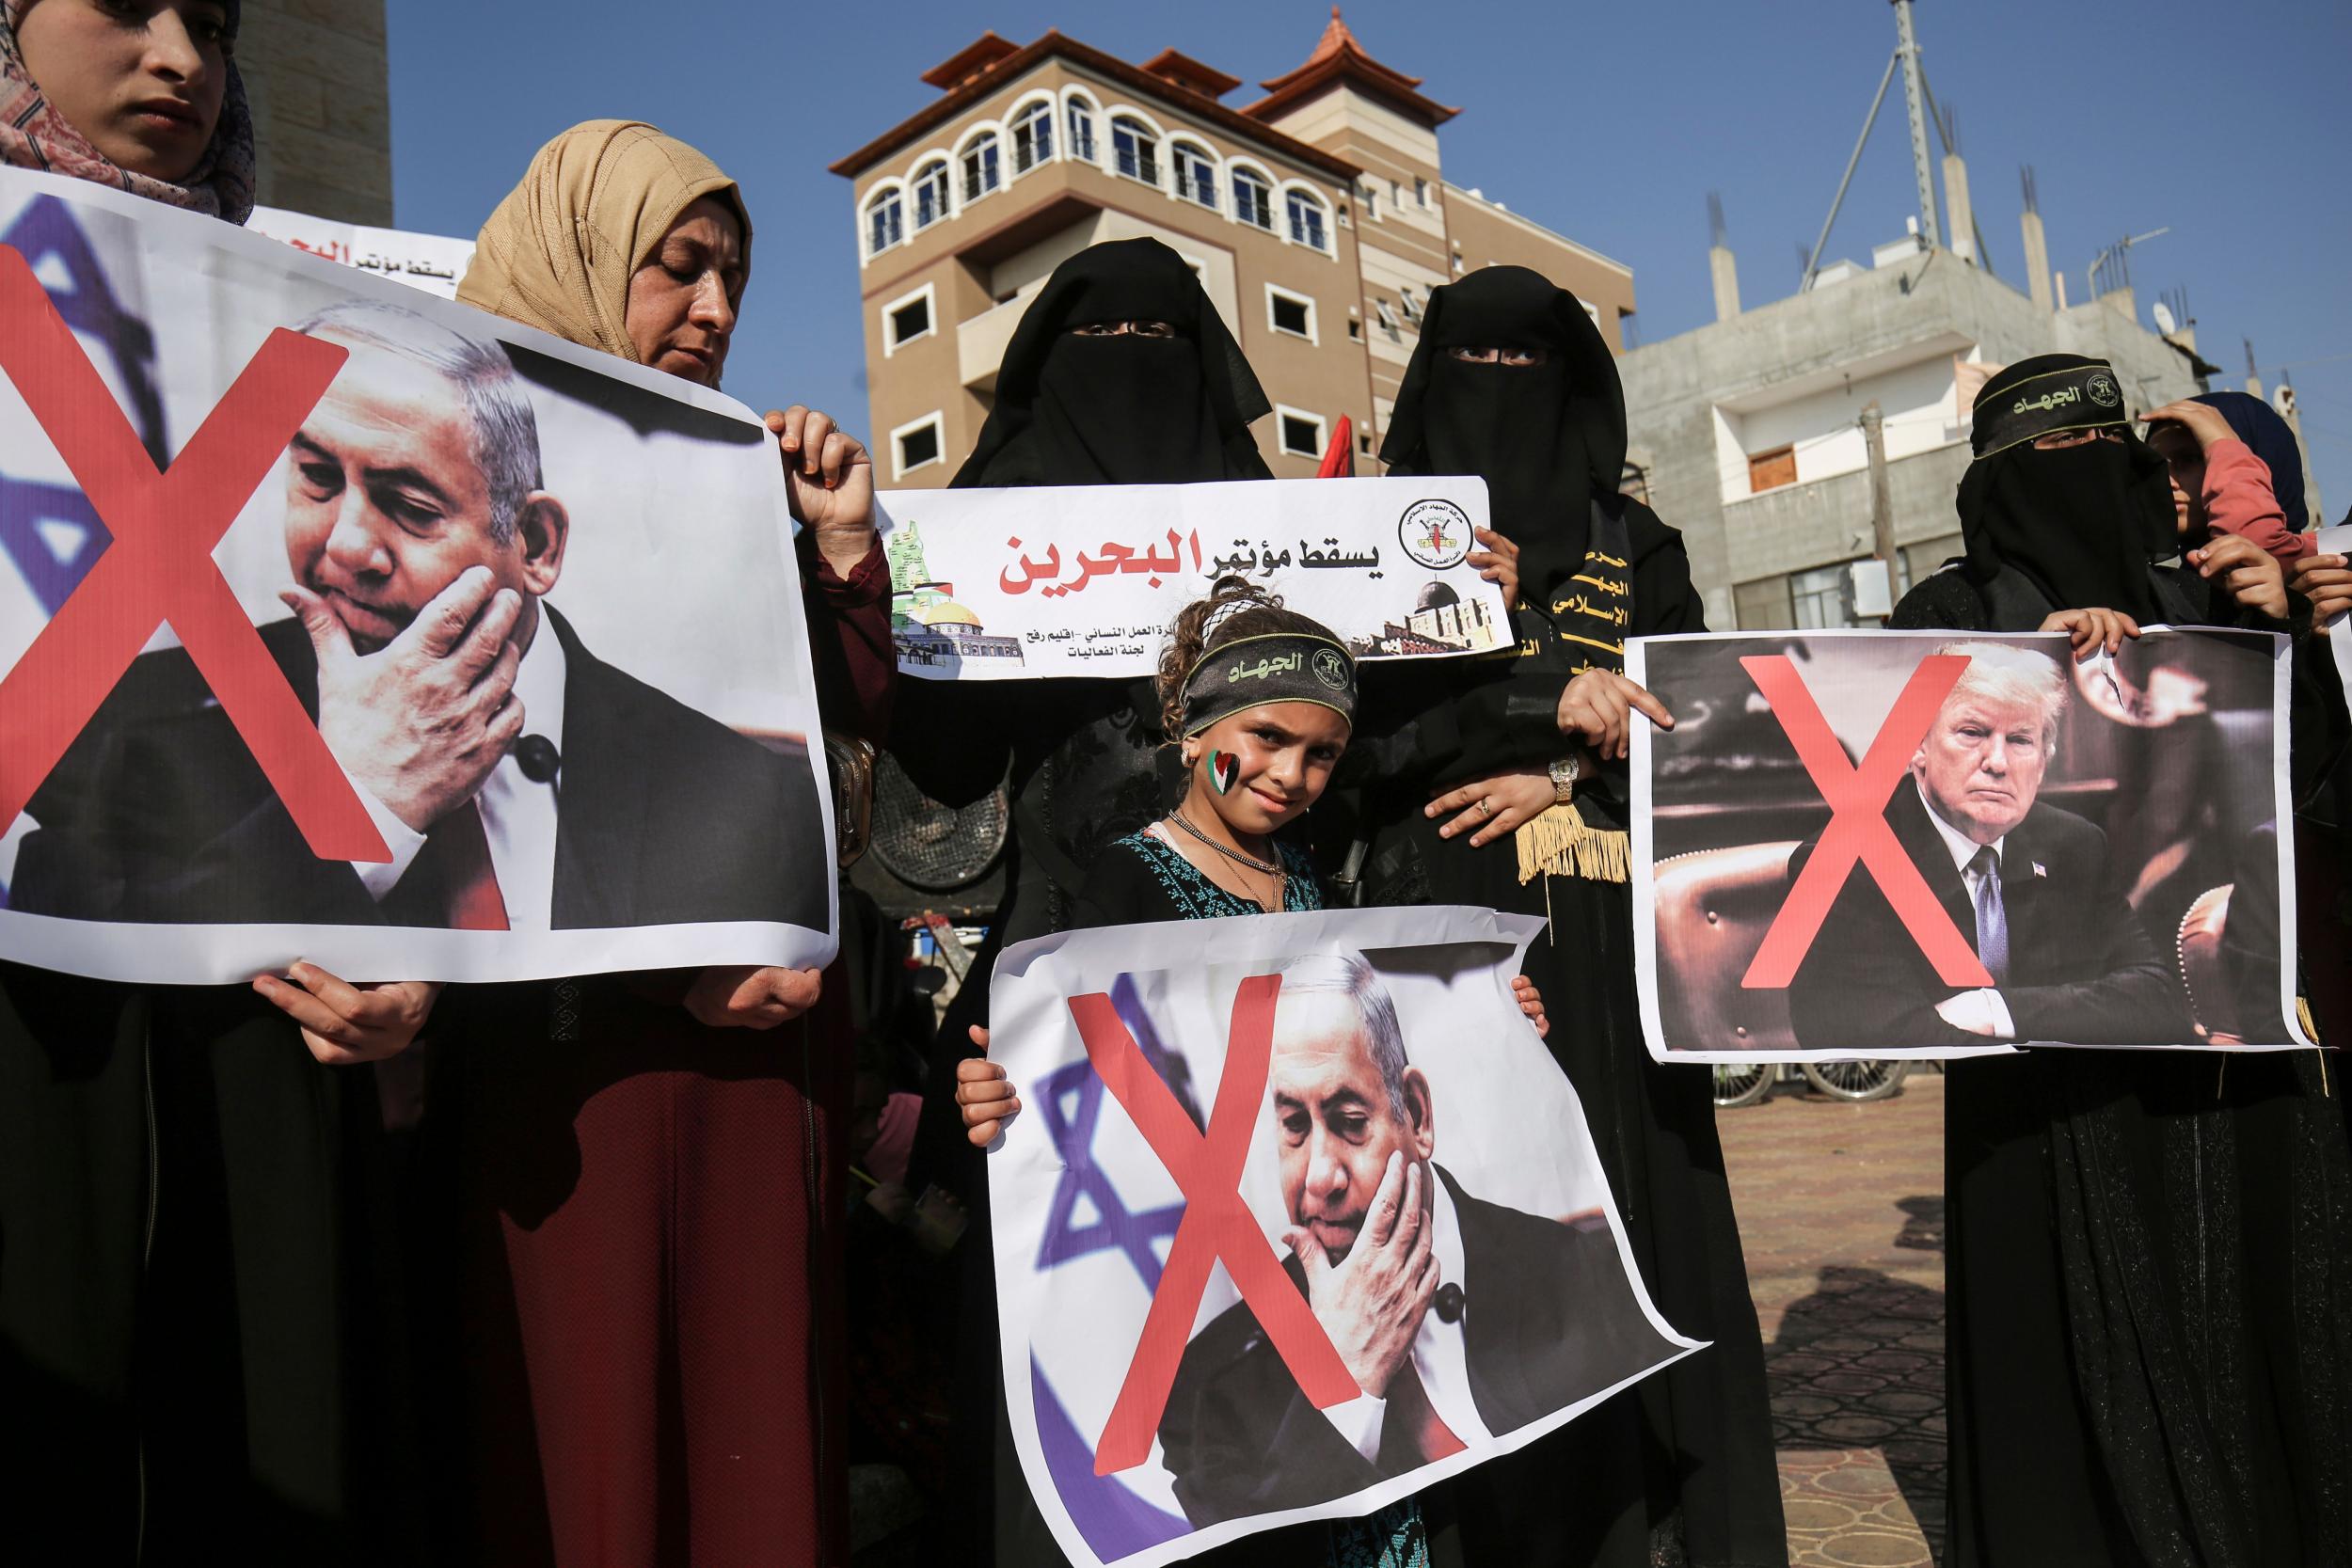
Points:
[(1749, 430), (1317, 218), (315, 72)]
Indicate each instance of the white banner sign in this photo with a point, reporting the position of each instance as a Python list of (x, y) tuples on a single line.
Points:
[(1085, 580), (1301, 1216), (433, 263)]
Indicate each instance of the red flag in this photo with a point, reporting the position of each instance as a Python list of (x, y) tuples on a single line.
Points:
[(1339, 458)]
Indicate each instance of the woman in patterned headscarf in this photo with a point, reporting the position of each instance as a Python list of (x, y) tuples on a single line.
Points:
[(195, 1323), (645, 1182)]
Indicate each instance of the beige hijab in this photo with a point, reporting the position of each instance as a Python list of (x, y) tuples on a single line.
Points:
[(558, 253)]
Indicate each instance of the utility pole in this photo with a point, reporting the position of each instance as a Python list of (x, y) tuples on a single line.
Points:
[(1882, 490), (1915, 100)]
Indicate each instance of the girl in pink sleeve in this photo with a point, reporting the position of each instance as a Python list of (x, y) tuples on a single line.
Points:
[(2236, 468)]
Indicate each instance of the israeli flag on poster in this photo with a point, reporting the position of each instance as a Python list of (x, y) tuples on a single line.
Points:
[(1217, 1091), (49, 534)]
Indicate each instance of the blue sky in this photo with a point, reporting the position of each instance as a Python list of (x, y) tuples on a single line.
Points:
[(2228, 123)]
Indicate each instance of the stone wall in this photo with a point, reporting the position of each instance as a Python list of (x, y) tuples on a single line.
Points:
[(316, 73)]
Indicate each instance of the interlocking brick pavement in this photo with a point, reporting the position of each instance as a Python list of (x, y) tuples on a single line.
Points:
[(1841, 1213)]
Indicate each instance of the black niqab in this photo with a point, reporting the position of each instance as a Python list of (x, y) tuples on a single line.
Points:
[(1122, 409), (1547, 438), (2082, 524)]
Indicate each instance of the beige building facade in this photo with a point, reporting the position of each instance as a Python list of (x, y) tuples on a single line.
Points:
[(1317, 218), (316, 73)]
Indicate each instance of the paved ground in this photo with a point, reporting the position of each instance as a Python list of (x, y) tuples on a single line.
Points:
[(1842, 1211)]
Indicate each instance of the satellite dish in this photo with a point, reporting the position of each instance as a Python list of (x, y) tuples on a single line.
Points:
[(2165, 322)]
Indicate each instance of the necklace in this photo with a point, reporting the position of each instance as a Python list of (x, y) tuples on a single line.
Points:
[(1264, 868)]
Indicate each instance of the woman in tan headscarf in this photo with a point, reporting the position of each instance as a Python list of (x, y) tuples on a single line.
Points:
[(644, 1185)]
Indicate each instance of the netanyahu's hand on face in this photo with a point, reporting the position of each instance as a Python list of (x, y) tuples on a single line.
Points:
[(422, 723), (1372, 1302)]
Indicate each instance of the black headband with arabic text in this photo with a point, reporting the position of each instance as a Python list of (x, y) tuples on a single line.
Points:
[(2079, 397), (1273, 667)]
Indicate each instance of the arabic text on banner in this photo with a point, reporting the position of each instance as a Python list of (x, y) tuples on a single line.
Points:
[(1871, 844), (1085, 580)]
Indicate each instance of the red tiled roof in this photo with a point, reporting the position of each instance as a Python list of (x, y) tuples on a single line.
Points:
[(1339, 58), (1186, 71), (986, 69)]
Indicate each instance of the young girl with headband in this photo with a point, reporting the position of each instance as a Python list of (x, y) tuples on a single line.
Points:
[(1262, 701)]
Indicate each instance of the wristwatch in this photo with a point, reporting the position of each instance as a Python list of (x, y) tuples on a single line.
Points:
[(1563, 776)]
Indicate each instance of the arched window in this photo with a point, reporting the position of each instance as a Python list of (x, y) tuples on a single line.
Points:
[(1307, 221), (1196, 175), (981, 174), (1135, 149), (1253, 200), (885, 223), (1082, 129), (931, 193), (1033, 137)]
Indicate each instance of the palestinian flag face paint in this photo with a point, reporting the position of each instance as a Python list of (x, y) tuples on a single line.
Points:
[(1224, 771)]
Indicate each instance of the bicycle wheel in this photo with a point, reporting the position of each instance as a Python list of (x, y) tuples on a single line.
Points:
[(1739, 1084), (1856, 1080)]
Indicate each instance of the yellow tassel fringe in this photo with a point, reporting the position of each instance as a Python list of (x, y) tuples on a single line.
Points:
[(1561, 844)]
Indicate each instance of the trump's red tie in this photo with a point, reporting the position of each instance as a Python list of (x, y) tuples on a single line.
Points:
[(475, 903)]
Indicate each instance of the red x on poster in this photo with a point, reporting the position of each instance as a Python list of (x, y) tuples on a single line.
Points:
[(1216, 1226), (1858, 833), (159, 568)]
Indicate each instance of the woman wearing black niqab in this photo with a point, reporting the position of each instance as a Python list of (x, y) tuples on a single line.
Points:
[(2150, 1330), (1513, 382), (1119, 372)]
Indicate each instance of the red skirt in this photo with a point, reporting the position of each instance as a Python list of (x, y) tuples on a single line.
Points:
[(645, 1280)]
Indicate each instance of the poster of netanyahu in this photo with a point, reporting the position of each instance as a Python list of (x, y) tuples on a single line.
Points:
[(1300, 1217), (343, 622)]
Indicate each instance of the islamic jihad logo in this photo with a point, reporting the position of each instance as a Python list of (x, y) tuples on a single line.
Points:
[(2101, 388), (1330, 669), (1435, 533)]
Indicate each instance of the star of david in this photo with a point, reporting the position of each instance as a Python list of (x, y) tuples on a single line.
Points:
[(1072, 1103)]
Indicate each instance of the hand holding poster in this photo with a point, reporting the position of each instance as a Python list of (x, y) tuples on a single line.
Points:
[(1083, 580), (282, 668), (1302, 1218), (1882, 845)]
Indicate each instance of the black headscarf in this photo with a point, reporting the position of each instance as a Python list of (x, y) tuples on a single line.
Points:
[(2272, 439), (1547, 439), (1120, 410), (2082, 524)]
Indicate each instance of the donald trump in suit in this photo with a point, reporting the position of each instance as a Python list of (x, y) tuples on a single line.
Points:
[(2028, 884)]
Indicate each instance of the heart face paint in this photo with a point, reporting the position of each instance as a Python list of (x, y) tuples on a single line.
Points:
[(1224, 771)]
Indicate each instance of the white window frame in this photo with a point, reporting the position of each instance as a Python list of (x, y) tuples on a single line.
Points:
[(928, 293), (1009, 157), (1155, 151), (928, 163), (1267, 183), (1274, 292), (965, 147), (1283, 412), (1387, 317), (893, 189), (1293, 190), (1420, 191), (1073, 99), (1178, 144), (898, 468), (1405, 298)]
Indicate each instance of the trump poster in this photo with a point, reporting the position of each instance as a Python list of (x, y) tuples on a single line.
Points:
[(1873, 844), (1300, 1217), (340, 623), (1021, 584)]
